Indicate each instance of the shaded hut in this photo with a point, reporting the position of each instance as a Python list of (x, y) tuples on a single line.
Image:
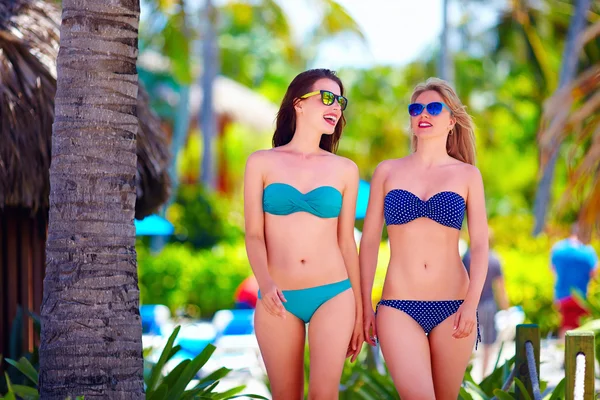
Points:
[(29, 40)]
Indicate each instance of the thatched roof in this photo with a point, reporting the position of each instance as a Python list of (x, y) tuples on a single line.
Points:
[(29, 39)]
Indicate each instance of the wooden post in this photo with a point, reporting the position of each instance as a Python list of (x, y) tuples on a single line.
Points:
[(526, 333), (579, 342)]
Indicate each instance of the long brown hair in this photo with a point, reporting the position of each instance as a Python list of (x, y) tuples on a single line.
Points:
[(461, 140), (286, 116)]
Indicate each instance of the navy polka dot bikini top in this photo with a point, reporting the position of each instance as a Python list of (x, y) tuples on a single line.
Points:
[(401, 206)]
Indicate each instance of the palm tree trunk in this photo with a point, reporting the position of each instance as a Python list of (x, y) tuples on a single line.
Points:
[(208, 123), (569, 69), (91, 331)]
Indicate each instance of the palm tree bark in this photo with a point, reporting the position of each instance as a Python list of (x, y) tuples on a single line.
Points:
[(569, 69), (91, 330)]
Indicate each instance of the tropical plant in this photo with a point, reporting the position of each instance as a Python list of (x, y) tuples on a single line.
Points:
[(177, 383), (592, 322), (572, 117), (551, 141), (91, 339), (202, 218), (199, 282)]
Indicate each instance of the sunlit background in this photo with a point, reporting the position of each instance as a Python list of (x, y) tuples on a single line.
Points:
[(504, 58), (216, 71)]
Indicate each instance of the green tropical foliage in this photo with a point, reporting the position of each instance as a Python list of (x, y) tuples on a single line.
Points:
[(180, 383)]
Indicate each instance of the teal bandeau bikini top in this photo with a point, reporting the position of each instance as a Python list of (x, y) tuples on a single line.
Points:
[(284, 199)]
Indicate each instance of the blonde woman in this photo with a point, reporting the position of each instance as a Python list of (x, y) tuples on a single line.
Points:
[(426, 322)]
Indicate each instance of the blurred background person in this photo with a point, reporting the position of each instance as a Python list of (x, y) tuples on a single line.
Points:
[(493, 297), (246, 293), (573, 263)]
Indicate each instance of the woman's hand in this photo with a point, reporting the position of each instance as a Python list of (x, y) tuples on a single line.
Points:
[(357, 340), (465, 320), (272, 299), (369, 329)]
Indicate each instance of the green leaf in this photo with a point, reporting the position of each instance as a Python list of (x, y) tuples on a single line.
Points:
[(214, 376), (172, 377), (543, 386), (497, 378), (378, 385), (159, 394), (210, 388), (177, 47), (585, 303), (501, 395), (164, 356), (337, 20), (229, 394), (522, 389), (37, 322), (464, 395), (26, 368), (27, 392), (473, 387), (10, 395), (174, 351), (499, 355), (190, 372), (559, 391), (192, 393)]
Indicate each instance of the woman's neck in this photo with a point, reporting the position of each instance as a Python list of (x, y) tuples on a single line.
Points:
[(305, 142), (431, 152)]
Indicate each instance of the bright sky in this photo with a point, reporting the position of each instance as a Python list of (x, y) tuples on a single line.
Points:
[(397, 31)]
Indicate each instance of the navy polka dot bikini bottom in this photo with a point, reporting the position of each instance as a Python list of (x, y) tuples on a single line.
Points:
[(428, 314)]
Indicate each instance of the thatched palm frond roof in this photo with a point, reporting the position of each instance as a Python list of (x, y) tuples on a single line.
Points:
[(29, 41)]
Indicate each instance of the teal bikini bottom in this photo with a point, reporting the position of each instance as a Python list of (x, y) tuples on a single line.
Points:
[(303, 303)]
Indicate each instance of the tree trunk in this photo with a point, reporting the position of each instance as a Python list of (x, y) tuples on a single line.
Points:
[(181, 126), (181, 129), (569, 69), (445, 67), (208, 123), (91, 330)]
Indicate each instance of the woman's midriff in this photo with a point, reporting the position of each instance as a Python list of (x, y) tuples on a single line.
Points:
[(425, 264), (303, 251)]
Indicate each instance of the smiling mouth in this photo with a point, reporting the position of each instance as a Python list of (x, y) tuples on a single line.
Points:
[(331, 119), (424, 124)]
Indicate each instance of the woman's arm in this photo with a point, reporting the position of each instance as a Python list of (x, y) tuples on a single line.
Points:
[(346, 239), (255, 234), (369, 245), (478, 234), (465, 318)]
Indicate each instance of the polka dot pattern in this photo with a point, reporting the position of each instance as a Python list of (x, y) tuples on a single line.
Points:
[(428, 314), (446, 208)]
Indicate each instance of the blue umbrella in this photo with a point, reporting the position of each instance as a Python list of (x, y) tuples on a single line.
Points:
[(153, 225), (363, 199)]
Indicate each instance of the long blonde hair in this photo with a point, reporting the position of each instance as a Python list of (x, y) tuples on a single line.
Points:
[(461, 140)]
